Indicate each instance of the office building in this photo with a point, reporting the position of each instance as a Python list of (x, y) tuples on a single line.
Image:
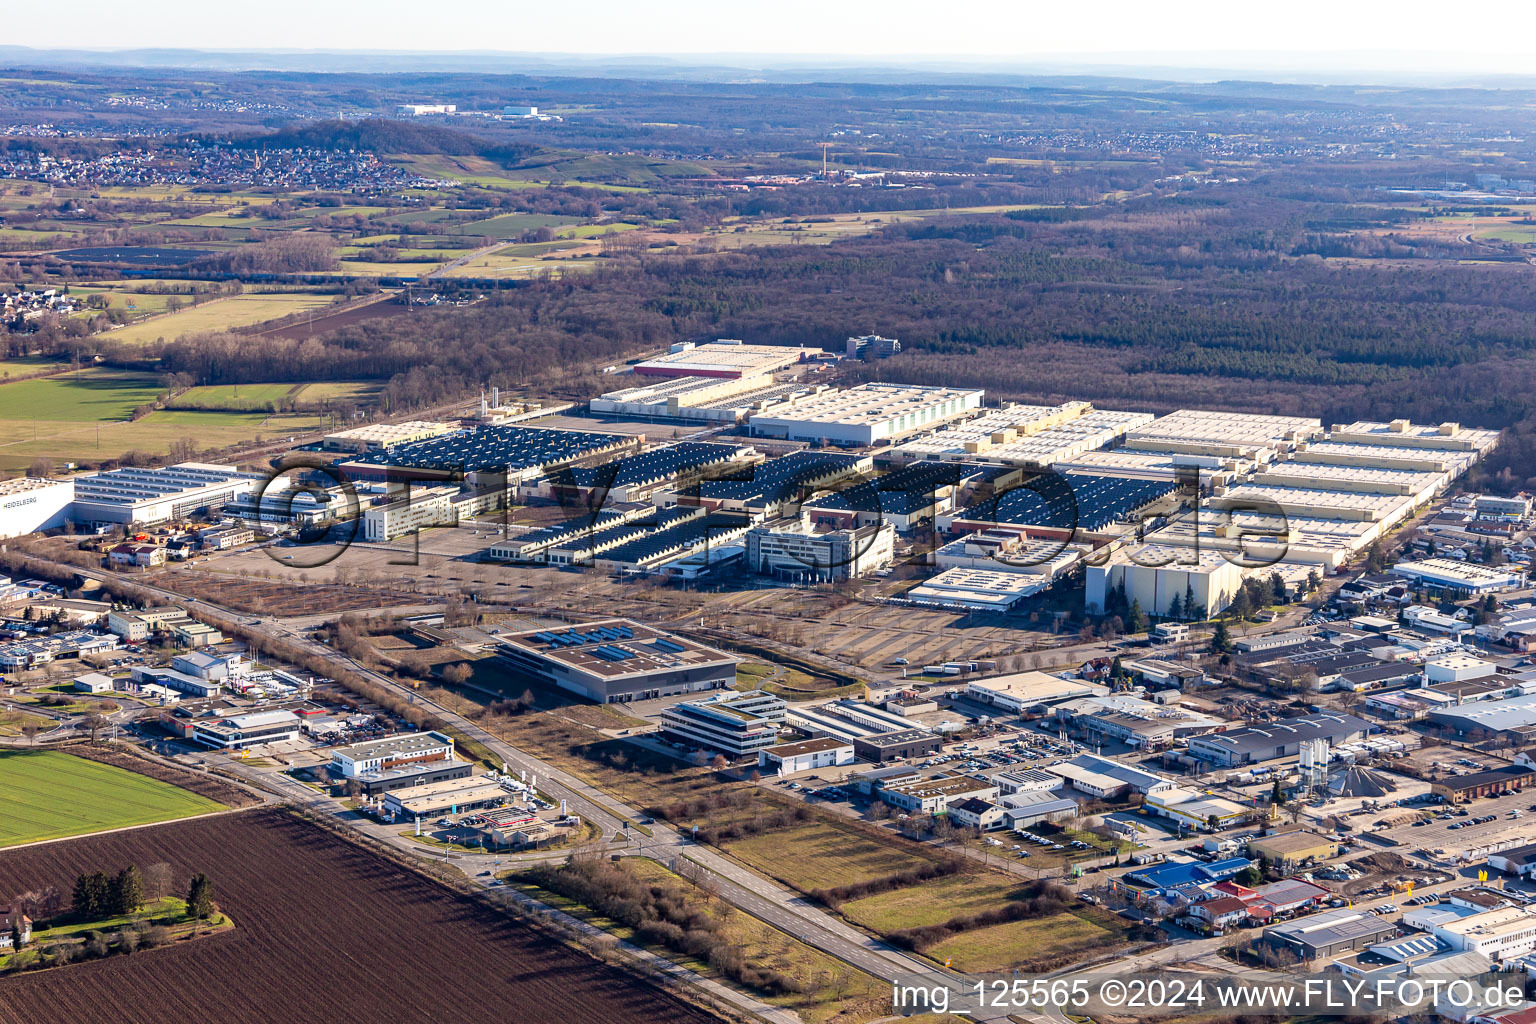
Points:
[(804, 755), (797, 552), (391, 752), (734, 722), (241, 731), (617, 660)]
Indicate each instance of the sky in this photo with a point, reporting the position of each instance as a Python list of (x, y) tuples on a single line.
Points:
[(1489, 37)]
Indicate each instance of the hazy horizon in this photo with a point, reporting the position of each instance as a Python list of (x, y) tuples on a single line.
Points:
[(1311, 40)]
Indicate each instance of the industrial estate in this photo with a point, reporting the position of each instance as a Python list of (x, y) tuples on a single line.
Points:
[(600, 666)]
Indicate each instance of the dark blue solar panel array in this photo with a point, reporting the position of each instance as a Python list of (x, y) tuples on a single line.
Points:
[(490, 448), (600, 635), (779, 479), (903, 490), (645, 467), (685, 534), (1067, 500)]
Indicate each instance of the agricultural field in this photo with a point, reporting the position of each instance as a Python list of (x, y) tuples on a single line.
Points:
[(85, 416), (505, 265), (305, 903), (49, 794), (221, 315), (93, 394)]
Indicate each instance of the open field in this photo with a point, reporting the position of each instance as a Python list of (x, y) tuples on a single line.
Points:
[(221, 315), (1037, 945), (506, 265), (48, 794), (821, 855), (233, 396), (92, 440), (307, 905), (932, 902), (91, 394), (25, 366)]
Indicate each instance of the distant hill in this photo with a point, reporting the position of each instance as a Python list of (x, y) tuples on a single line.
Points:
[(379, 135)]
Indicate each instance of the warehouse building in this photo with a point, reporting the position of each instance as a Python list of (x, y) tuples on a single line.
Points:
[(1417, 484), (726, 358), (132, 496), (239, 732), (1020, 691), (506, 456), (617, 660), (178, 681), (803, 755), (896, 746), (378, 436), (735, 723), (30, 504), (390, 752), (764, 490), (1450, 574), (1248, 436), (977, 590), (1512, 718), (1457, 789), (1289, 851), (1060, 506), (1382, 456), (1193, 809), (1330, 933), (699, 399), (867, 414), (1156, 576), (1024, 435), (1255, 743), (638, 476), (1451, 437), (454, 796), (1520, 862)]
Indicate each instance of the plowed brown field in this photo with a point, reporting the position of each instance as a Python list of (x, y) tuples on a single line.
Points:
[(325, 932)]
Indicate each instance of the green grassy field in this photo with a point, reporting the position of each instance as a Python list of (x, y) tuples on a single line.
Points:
[(48, 794), (221, 315), (509, 225), (240, 397), (91, 394), (23, 366)]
